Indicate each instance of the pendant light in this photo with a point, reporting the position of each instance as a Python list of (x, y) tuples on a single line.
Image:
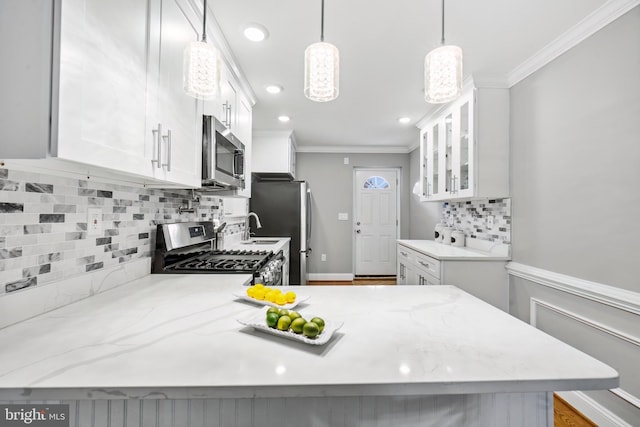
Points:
[(443, 72), (321, 68), (201, 66)]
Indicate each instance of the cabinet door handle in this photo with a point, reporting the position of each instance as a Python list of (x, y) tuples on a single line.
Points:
[(230, 115), (423, 264), (167, 138), (157, 145), (224, 110), (403, 253)]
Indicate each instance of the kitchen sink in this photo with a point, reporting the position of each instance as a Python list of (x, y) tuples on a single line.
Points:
[(260, 242)]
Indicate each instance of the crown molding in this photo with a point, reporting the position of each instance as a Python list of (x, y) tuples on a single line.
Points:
[(597, 20), (360, 149)]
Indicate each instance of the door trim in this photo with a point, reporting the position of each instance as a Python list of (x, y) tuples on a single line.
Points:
[(398, 172)]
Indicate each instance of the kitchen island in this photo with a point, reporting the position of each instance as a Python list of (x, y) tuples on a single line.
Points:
[(168, 350)]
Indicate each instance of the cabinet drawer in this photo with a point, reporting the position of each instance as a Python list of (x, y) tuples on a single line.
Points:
[(428, 264), (406, 254)]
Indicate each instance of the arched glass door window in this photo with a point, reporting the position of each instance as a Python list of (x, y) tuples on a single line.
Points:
[(376, 182)]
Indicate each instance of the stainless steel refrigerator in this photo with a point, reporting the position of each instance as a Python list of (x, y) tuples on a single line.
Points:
[(284, 208)]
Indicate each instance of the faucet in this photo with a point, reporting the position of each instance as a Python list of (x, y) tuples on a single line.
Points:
[(247, 228)]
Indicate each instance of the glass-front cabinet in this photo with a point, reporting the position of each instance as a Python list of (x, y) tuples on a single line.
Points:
[(452, 166)]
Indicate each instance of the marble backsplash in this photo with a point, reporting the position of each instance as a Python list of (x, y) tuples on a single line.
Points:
[(43, 225), (471, 218)]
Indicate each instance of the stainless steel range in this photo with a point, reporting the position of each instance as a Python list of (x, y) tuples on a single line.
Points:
[(187, 247)]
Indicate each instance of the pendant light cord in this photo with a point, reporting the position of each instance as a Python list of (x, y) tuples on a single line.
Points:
[(442, 38), (204, 22), (321, 22)]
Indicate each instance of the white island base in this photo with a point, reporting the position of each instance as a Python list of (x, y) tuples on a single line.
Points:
[(167, 350)]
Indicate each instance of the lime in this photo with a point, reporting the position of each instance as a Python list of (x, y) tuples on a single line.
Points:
[(283, 323), (273, 310), (272, 319), (297, 325), (294, 315), (310, 330), (320, 322), (284, 312)]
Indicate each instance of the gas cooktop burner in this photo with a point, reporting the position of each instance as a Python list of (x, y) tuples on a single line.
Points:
[(229, 261)]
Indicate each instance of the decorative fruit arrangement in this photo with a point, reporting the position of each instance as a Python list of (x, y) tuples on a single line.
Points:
[(285, 320), (275, 295)]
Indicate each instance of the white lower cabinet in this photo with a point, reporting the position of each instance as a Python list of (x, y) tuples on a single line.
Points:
[(484, 279), (415, 268)]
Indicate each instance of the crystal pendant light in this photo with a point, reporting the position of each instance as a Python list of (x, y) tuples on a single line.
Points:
[(201, 66), (321, 69), (443, 72)]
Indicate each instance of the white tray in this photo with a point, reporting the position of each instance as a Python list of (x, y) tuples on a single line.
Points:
[(259, 322), (243, 296)]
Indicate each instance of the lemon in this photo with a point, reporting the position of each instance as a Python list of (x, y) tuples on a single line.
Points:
[(297, 325), (280, 299), (275, 310), (272, 319), (258, 286), (250, 291), (320, 322), (290, 296), (270, 296), (258, 293), (310, 330), (283, 323)]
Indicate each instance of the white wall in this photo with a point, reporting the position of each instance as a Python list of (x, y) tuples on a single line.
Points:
[(331, 186), (575, 174)]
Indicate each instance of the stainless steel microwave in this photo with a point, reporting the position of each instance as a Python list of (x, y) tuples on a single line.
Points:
[(222, 156)]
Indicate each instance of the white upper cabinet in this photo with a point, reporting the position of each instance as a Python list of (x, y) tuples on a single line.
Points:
[(234, 111), (464, 148), (100, 89), (173, 119), (274, 152), (102, 84)]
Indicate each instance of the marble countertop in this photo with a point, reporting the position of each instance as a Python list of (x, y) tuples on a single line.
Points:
[(481, 251), (177, 336)]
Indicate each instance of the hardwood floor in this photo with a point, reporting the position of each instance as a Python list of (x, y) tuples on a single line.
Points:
[(565, 415)]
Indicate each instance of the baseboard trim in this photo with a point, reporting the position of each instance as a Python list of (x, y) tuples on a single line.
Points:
[(334, 277), (620, 298), (592, 409)]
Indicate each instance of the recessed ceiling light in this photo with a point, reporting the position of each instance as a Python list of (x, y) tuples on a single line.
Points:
[(404, 120), (274, 89), (284, 119), (255, 32)]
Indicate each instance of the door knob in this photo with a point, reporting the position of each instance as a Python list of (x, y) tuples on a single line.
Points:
[(358, 223), (357, 231)]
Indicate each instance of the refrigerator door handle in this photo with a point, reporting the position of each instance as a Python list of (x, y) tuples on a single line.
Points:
[(307, 252)]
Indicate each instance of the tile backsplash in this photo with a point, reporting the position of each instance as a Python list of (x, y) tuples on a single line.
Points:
[(44, 233), (471, 218)]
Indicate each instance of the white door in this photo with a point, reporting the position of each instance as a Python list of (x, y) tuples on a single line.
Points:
[(375, 221)]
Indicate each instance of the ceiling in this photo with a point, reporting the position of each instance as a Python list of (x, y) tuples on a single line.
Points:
[(382, 48)]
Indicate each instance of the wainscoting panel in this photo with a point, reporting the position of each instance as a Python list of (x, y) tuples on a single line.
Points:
[(600, 320), (498, 410)]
